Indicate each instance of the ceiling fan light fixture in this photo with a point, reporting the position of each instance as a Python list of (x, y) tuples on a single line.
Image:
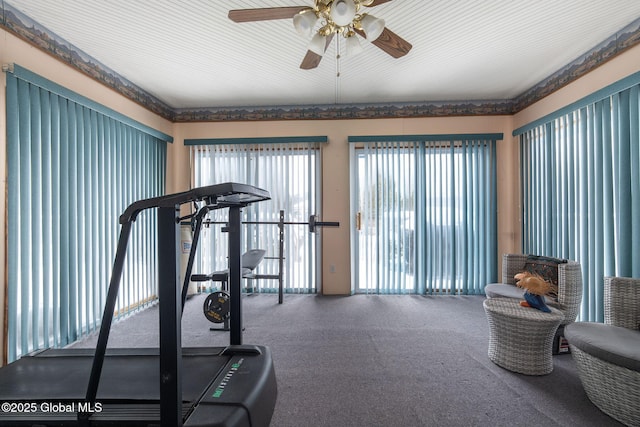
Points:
[(372, 26), (304, 22), (352, 45), (317, 44), (343, 12), (327, 19)]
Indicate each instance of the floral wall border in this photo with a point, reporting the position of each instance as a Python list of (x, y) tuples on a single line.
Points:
[(618, 43), (25, 28), (347, 111), (30, 31)]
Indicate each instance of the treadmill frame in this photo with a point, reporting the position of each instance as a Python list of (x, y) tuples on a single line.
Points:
[(233, 196)]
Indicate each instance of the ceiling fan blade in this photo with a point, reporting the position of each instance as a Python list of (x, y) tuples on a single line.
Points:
[(311, 60), (377, 2), (392, 43), (265, 14)]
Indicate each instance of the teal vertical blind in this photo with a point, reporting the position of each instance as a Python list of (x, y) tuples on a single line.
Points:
[(581, 191), (290, 171), (427, 214), (72, 169)]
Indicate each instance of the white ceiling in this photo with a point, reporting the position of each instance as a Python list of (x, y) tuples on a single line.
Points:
[(190, 55)]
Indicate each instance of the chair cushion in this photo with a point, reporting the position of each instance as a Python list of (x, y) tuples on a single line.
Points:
[(503, 290), (613, 344)]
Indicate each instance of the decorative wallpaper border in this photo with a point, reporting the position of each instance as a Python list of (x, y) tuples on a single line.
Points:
[(30, 31), (623, 40), (347, 111)]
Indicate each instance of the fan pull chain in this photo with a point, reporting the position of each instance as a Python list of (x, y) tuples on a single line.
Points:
[(337, 94)]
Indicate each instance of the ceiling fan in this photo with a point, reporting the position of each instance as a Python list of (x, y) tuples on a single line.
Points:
[(333, 17)]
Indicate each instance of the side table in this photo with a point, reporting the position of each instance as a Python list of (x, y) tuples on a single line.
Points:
[(521, 338)]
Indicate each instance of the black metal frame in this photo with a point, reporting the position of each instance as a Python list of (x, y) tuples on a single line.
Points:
[(313, 224), (235, 275), (170, 302), (171, 296)]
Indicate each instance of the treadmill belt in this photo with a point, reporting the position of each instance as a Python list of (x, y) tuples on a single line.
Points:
[(53, 384), (221, 387), (128, 375)]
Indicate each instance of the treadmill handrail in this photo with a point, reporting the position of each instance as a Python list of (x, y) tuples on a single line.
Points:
[(216, 196)]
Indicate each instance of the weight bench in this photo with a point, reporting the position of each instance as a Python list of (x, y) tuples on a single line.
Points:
[(216, 306), (249, 261)]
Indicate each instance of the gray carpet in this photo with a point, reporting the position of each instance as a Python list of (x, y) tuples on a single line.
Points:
[(384, 361)]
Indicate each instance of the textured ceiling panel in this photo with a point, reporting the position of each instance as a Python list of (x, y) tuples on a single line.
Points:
[(190, 55)]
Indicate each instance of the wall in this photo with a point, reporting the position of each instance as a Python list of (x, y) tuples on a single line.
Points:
[(336, 270), (14, 50)]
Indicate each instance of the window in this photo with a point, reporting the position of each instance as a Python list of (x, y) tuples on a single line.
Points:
[(289, 168), (73, 167), (581, 188)]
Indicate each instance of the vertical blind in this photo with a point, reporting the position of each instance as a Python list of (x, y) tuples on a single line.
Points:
[(72, 170), (290, 171), (426, 208), (581, 190)]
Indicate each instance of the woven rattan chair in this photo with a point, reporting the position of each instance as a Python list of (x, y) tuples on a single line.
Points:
[(608, 354), (569, 285)]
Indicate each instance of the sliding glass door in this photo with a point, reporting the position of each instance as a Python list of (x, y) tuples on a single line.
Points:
[(425, 214), (385, 218)]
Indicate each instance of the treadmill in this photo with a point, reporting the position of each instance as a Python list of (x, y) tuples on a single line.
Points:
[(165, 386)]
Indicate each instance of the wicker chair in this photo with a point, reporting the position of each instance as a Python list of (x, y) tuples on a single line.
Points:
[(608, 355), (569, 285)]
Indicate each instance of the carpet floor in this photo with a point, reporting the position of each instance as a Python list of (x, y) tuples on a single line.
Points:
[(368, 360)]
